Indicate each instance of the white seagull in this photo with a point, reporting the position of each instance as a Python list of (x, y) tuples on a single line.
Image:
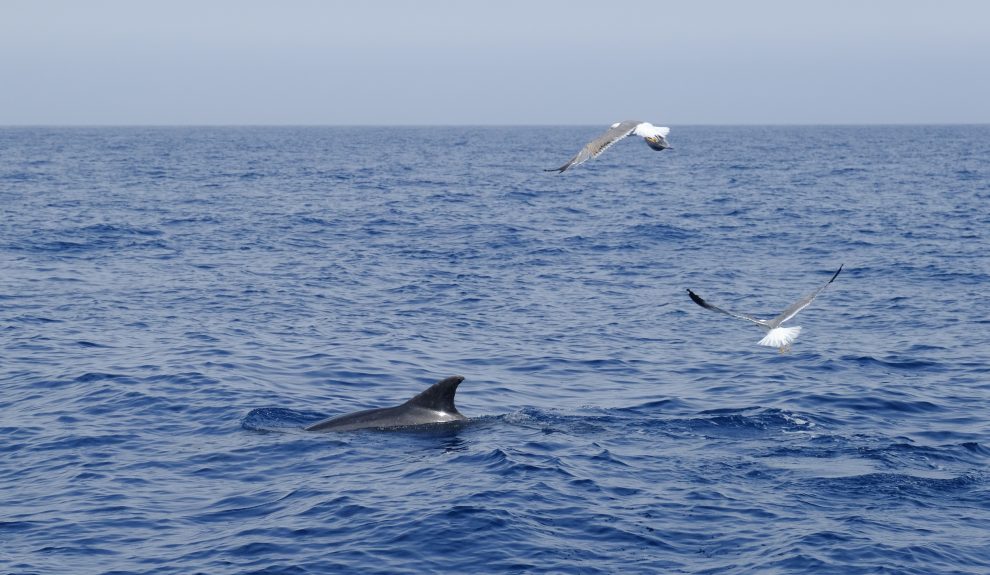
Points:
[(654, 136), (777, 336)]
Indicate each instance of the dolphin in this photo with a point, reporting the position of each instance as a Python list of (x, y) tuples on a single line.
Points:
[(435, 405)]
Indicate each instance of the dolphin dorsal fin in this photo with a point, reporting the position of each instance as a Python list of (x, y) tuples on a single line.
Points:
[(439, 396)]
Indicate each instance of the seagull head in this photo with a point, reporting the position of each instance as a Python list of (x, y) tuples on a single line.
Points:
[(658, 143), (654, 135)]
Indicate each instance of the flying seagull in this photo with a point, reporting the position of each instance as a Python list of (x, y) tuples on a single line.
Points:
[(653, 135), (777, 336)]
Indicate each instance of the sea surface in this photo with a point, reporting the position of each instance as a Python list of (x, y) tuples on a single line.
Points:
[(177, 304)]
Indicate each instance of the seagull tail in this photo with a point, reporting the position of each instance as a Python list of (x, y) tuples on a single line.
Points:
[(781, 336)]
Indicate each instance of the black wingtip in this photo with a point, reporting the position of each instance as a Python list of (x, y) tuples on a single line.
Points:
[(836, 273), (696, 298)]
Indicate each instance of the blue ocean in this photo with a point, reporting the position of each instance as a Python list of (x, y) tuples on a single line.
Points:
[(178, 304)]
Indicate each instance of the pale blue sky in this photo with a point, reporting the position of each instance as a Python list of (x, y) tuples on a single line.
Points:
[(501, 62)]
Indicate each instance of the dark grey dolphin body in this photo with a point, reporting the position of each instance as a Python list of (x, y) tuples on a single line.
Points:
[(435, 405)]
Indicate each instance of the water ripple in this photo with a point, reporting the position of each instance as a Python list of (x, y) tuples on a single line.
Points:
[(178, 304)]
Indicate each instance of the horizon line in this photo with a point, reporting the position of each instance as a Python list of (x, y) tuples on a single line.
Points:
[(486, 125)]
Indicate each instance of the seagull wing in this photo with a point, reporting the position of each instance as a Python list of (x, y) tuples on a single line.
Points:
[(801, 304), (697, 299), (595, 147)]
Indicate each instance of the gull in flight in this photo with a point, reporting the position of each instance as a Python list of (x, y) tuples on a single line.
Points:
[(777, 335), (653, 135)]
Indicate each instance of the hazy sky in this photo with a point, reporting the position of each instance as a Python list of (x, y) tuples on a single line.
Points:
[(499, 62)]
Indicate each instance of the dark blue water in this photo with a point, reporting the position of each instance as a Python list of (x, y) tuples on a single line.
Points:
[(176, 304)]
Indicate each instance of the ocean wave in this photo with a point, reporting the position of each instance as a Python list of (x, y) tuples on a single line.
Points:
[(178, 304)]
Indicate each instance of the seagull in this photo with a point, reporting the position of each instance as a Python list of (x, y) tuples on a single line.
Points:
[(777, 336), (653, 135)]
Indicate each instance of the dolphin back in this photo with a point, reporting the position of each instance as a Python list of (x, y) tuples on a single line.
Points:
[(435, 405)]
